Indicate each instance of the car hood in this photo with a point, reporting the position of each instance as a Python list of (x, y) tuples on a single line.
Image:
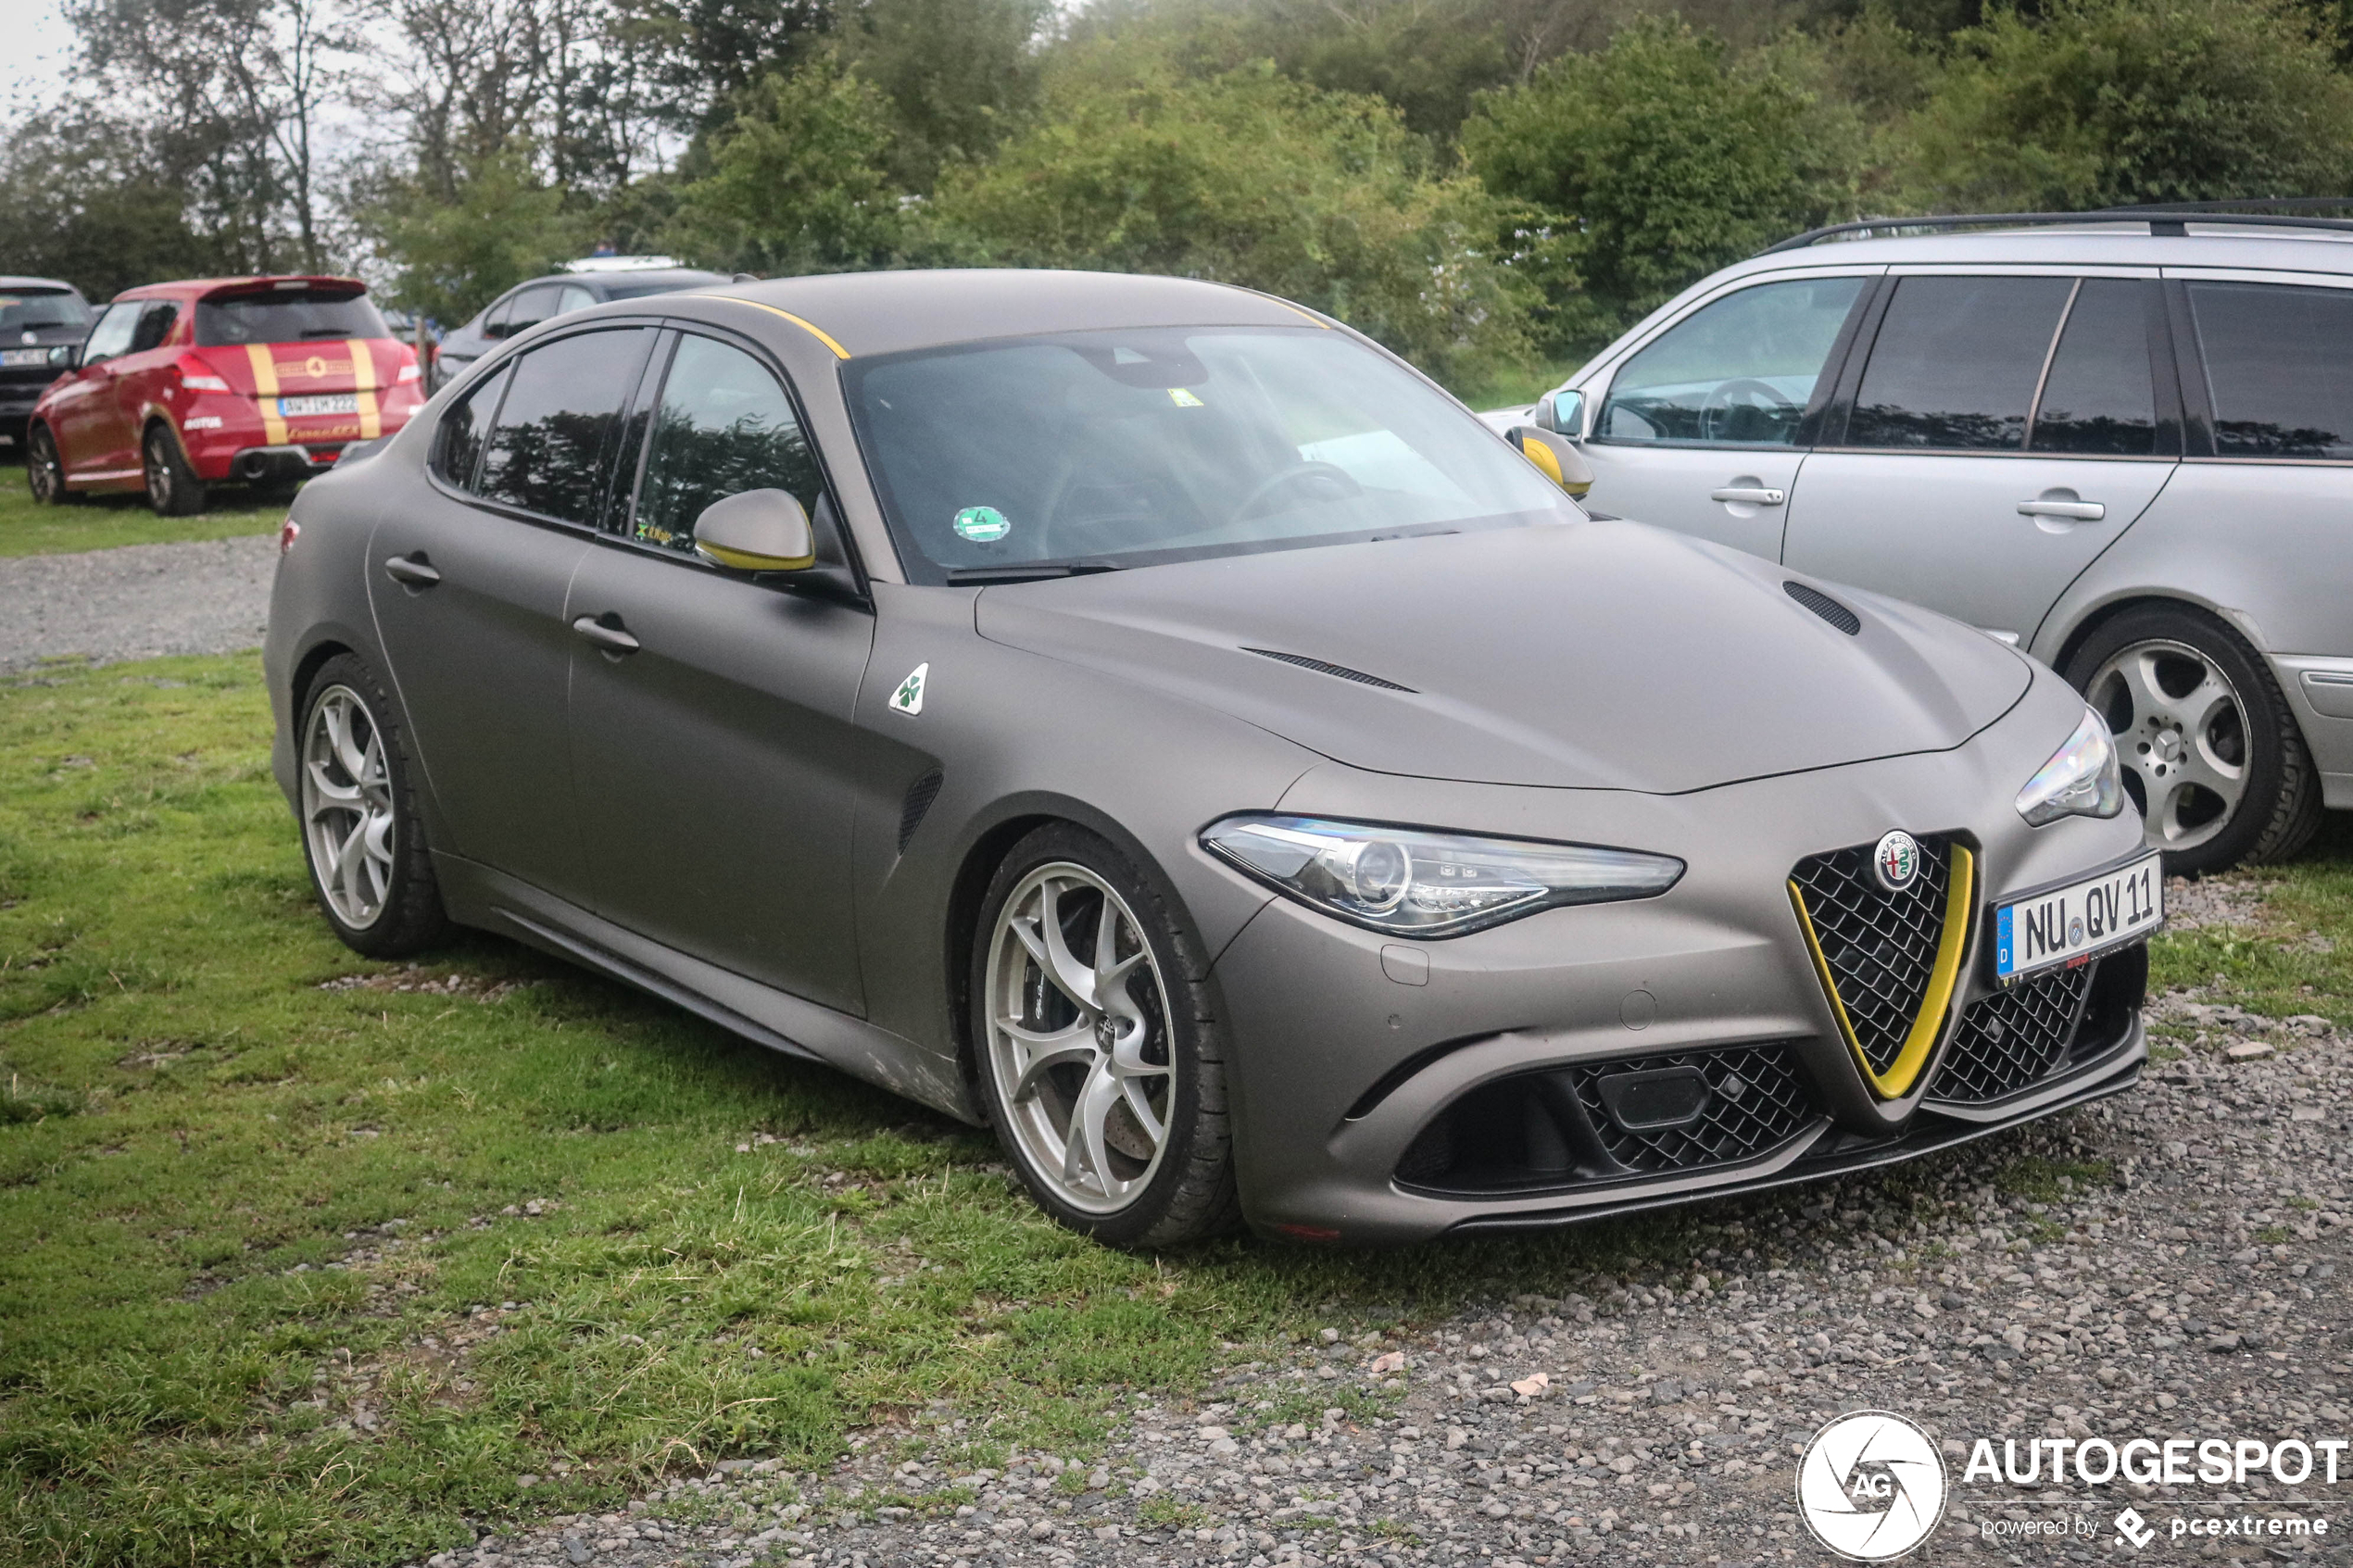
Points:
[(1595, 655)]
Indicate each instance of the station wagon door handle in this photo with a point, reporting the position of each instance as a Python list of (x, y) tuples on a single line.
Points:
[(615, 642), (1753, 496), (2074, 511), (413, 571)]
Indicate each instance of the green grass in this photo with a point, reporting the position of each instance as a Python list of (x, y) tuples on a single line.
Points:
[(98, 522), (195, 1127), (2299, 959)]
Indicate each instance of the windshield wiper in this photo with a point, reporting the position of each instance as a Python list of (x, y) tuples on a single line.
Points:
[(1028, 572)]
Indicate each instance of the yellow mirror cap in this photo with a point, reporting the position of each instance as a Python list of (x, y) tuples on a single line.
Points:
[(744, 560), (1540, 454)]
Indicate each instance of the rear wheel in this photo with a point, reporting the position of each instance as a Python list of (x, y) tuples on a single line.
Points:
[(174, 489), (360, 827), (45, 471), (2210, 750)]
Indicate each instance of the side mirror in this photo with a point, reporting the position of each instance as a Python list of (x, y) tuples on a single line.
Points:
[(66, 357), (756, 531), (1552, 455), (1563, 413)]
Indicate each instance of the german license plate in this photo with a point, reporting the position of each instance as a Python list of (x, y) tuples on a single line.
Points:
[(2062, 925), (24, 355), (324, 403)]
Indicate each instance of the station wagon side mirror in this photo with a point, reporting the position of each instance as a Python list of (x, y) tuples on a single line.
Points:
[(1563, 413), (756, 530), (1554, 456)]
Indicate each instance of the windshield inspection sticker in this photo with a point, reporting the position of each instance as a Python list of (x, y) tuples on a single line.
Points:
[(982, 525), (909, 698), (1182, 398)]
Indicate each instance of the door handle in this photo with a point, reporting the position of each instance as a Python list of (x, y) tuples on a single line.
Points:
[(616, 643), (413, 571), (2076, 511), (1754, 495)]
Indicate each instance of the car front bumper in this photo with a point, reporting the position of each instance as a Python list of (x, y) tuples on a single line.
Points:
[(1372, 1076)]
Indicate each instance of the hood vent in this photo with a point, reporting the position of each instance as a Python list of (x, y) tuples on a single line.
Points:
[(1826, 607), (1322, 666)]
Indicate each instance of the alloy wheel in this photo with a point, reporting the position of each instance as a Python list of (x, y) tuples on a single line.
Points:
[(1079, 1046), (346, 807), (2181, 730), (43, 472), (158, 475)]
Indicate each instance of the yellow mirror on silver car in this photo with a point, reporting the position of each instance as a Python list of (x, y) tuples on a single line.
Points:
[(1555, 455)]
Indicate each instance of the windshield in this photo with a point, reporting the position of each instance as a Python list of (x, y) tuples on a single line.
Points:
[(285, 316), (1124, 449), (24, 311)]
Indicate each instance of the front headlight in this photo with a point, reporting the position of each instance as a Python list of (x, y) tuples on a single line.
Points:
[(2081, 779), (1412, 881)]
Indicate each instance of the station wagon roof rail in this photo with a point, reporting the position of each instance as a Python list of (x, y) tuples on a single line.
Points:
[(2163, 218)]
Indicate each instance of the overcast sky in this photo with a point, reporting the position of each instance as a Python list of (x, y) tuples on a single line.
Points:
[(32, 65)]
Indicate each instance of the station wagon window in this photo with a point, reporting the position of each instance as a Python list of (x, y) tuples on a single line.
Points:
[(724, 426), (2099, 396), (2279, 369), (1739, 371), (466, 427), (1956, 363), (551, 447)]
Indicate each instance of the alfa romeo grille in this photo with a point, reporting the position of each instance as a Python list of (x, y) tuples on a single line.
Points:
[(2011, 1038), (1881, 947), (1758, 1102)]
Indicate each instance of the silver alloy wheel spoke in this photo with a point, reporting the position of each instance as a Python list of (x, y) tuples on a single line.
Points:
[(2173, 743), (346, 807), (1079, 1047)]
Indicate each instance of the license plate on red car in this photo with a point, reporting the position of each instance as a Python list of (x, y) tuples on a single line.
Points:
[(323, 403), (2062, 925)]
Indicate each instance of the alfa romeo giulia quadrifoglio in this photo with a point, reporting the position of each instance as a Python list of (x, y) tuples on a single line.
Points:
[(1149, 719)]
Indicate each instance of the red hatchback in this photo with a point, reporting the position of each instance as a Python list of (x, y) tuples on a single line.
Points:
[(182, 385)]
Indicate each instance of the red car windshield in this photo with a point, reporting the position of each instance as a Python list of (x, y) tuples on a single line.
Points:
[(285, 316)]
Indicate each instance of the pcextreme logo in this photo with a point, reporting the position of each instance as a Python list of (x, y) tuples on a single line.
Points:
[(1870, 1486)]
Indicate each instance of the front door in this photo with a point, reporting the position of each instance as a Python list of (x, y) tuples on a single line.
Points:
[(712, 737), (1700, 430), (469, 585), (85, 419), (2005, 431)]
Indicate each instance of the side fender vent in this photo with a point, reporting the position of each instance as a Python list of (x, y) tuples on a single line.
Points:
[(1324, 668), (1826, 607), (920, 794)]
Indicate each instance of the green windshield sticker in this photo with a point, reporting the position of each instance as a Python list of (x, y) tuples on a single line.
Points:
[(1182, 398), (982, 525)]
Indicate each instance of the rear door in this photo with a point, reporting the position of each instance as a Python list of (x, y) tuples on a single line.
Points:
[(2001, 432), (1703, 428)]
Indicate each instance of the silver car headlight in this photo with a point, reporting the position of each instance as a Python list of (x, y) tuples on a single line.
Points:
[(2080, 780), (1412, 881)]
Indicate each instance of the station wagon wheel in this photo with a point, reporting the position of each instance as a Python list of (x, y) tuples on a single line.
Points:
[(360, 832), (2210, 752), (1097, 1065)]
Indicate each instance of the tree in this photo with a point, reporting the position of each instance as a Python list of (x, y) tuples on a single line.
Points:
[(956, 75), (82, 198), (2103, 102), (459, 250)]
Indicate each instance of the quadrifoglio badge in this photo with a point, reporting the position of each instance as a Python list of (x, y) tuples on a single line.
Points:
[(1873, 1486)]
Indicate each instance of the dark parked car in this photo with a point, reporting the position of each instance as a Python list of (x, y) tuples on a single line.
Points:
[(581, 284), (37, 315)]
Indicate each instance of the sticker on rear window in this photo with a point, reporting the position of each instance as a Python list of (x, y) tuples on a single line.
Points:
[(982, 525)]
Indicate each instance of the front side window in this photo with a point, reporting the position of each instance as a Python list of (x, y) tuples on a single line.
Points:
[(1739, 371), (1118, 448), (551, 447), (2279, 369), (724, 426), (1956, 363), (25, 310), (111, 337), (286, 316), (2099, 396)]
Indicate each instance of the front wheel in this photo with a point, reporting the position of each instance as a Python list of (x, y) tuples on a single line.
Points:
[(44, 470), (360, 832), (2210, 750), (174, 489), (1098, 1057)]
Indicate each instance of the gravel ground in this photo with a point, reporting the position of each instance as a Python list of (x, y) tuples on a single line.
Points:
[(2174, 1265), (136, 602)]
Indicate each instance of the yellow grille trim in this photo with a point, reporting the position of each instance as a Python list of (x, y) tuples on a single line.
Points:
[(1944, 979)]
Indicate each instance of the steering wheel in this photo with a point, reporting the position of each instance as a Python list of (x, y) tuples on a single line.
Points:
[(1740, 392), (1307, 468)]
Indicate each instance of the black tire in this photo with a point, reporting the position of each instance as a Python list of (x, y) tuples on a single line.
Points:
[(2278, 806), (174, 489), (45, 471), (409, 917), (1191, 1194)]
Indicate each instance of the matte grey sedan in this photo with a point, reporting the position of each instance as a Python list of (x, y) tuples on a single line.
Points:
[(1149, 719)]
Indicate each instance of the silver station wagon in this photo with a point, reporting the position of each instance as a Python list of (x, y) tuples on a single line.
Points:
[(2122, 445)]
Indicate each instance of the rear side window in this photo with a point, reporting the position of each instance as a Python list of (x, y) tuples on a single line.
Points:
[(466, 429), (725, 427), (286, 316), (1739, 371), (2279, 369), (2099, 396), (25, 310), (551, 446), (1956, 363), (155, 325), (521, 313)]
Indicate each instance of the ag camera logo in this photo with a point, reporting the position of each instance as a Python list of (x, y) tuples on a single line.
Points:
[(1871, 1486)]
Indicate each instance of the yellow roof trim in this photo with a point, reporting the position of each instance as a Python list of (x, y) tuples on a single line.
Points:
[(810, 327), (1928, 1025)]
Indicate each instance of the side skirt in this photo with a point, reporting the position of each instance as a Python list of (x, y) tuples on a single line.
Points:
[(477, 896)]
